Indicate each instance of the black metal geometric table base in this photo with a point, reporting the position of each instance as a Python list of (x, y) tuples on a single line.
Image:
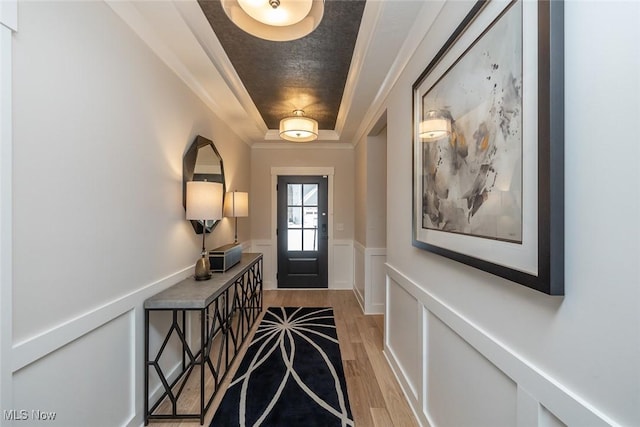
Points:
[(224, 325)]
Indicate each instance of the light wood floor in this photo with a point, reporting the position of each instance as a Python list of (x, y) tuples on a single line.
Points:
[(374, 394)]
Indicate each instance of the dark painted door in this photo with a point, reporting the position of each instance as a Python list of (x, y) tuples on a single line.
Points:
[(302, 231)]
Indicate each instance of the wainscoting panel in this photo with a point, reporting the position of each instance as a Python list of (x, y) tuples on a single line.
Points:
[(370, 278), (341, 269), (269, 262), (454, 364), (376, 273), (487, 395), (547, 419), (402, 337), (95, 361), (359, 287), (87, 375)]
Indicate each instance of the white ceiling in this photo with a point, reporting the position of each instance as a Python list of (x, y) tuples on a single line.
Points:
[(178, 32)]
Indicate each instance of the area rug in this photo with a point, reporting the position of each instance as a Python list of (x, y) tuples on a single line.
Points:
[(291, 374)]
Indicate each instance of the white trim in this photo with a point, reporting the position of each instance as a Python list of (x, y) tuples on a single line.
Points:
[(342, 264), (201, 29), (8, 18), (302, 170), (9, 14), (418, 32), (358, 248), (265, 247), (189, 64), (368, 24), (564, 403), (303, 146), (38, 346), (368, 255)]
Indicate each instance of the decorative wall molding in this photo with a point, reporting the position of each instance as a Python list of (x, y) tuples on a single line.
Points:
[(8, 24), (38, 346), (269, 262), (371, 294), (342, 275), (417, 33), (532, 381)]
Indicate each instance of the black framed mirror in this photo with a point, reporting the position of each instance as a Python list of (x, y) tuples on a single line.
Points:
[(202, 162)]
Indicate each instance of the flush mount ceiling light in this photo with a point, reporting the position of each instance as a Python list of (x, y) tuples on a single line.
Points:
[(298, 128), (436, 125), (276, 20)]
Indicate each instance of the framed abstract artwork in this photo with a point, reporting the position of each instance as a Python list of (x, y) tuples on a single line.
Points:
[(488, 144)]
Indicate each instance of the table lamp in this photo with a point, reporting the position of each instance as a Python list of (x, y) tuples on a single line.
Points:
[(204, 202), (236, 204)]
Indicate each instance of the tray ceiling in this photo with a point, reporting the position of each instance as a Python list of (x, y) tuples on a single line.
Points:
[(307, 74), (381, 35)]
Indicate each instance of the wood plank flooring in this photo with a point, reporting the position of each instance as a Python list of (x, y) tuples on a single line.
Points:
[(374, 394)]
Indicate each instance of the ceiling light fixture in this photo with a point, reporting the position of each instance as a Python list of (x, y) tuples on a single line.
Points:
[(276, 20), (436, 125), (298, 128)]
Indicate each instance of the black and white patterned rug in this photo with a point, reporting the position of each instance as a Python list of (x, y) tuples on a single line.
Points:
[(291, 374)]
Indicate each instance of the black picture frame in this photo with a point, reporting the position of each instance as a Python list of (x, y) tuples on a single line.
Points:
[(548, 276)]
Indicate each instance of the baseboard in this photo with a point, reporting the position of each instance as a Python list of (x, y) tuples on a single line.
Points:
[(423, 419), (359, 298)]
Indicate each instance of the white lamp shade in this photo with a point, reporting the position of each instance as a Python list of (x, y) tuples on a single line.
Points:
[(435, 126), (298, 129), (236, 204), (204, 200)]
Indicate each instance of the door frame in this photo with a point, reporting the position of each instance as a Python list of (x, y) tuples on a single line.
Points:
[(329, 171)]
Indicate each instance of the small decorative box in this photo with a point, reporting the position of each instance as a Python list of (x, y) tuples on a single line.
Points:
[(225, 257)]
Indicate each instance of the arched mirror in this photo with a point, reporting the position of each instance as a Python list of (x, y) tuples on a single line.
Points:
[(202, 162)]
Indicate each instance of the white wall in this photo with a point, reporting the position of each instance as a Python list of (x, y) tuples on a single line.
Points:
[(369, 250), (100, 125), (377, 190), (474, 349)]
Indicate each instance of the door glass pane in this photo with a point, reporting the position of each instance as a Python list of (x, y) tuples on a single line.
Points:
[(294, 238), (310, 240), (294, 194), (294, 217), (310, 194), (310, 217)]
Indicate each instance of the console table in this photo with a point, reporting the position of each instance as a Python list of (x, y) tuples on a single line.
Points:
[(226, 307)]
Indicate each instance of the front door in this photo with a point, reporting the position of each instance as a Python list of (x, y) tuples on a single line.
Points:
[(302, 231)]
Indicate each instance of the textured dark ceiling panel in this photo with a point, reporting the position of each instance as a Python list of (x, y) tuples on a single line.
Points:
[(308, 73)]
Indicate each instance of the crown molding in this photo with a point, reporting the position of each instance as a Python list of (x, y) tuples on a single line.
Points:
[(162, 26), (421, 26), (368, 24), (206, 37)]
